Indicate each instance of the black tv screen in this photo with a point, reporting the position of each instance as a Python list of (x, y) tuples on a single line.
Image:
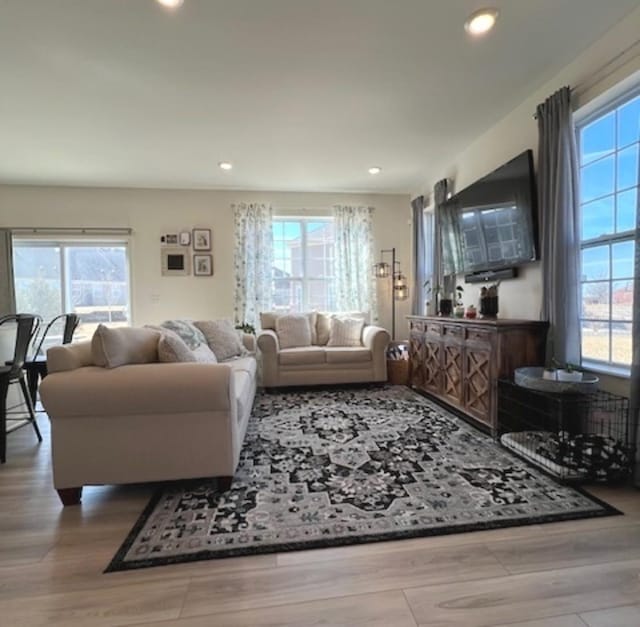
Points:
[(495, 218)]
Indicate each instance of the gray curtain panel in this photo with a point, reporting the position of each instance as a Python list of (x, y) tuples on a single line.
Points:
[(558, 195), (440, 190), (420, 270), (7, 295), (634, 401), (448, 250)]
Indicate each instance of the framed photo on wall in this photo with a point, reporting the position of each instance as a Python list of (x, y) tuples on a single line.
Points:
[(201, 239), (203, 265)]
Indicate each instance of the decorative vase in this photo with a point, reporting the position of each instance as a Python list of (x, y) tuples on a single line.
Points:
[(458, 312), (471, 312), (489, 306)]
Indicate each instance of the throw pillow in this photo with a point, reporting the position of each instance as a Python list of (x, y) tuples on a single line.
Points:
[(204, 355), (171, 349), (186, 329), (222, 338), (111, 348), (346, 332), (268, 321), (293, 330), (324, 324)]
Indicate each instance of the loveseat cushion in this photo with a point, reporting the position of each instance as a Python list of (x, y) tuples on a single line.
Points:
[(221, 337), (307, 355), (347, 355), (293, 330), (113, 347)]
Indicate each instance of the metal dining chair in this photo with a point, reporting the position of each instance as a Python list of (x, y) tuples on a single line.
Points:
[(13, 372), (36, 365)]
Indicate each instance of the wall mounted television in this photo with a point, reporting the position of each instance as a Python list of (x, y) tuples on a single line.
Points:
[(495, 221)]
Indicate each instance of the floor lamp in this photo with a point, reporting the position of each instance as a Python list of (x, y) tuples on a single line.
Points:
[(399, 287)]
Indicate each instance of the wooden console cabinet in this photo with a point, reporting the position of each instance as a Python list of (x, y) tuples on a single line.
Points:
[(459, 361)]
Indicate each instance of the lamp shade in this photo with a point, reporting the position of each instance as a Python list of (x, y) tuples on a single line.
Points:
[(401, 293), (381, 270)]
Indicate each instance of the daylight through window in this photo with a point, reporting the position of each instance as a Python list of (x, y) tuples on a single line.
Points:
[(608, 150)]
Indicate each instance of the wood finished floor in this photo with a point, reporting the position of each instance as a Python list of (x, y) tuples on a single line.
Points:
[(567, 574)]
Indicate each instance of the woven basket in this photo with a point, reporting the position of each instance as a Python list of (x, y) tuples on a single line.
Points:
[(398, 371)]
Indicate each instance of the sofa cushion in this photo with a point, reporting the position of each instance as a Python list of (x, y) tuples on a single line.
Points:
[(172, 349), (111, 348), (204, 355), (190, 334), (346, 332), (222, 338), (323, 324), (268, 322), (347, 355), (301, 356), (293, 330)]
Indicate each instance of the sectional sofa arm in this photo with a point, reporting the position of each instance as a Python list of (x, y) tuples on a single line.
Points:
[(268, 342), (249, 342), (140, 389), (375, 338)]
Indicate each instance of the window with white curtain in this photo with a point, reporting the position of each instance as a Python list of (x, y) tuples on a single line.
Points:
[(86, 277), (303, 267), (608, 145)]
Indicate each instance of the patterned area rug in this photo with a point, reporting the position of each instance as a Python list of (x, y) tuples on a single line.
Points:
[(326, 468)]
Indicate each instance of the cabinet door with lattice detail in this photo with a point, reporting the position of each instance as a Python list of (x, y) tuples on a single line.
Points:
[(416, 358), (432, 366), (477, 376), (452, 373)]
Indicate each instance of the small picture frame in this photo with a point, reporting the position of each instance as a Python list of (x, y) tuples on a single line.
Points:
[(170, 239), (185, 238), (203, 265), (201, 239)]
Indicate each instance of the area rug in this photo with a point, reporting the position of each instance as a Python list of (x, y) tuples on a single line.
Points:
[(345, 466)]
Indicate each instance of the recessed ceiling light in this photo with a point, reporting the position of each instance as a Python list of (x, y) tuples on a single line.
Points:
[(375, 170), (225, 165), (171, 4), (481, 22)]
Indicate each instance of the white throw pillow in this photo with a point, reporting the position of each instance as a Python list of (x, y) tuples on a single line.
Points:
[(293, 330), (223, 339), (111, 348), (172, 348), (346, 332), (323, 324)]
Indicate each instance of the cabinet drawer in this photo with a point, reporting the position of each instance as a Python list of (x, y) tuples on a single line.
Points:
[(482, 336), (433, 328), (417, 326), (453, 331)]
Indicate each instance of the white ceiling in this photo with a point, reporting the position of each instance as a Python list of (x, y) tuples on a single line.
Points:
[(299, 94)]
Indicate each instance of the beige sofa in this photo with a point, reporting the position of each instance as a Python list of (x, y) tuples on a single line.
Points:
[(144, 422), (319, 363)]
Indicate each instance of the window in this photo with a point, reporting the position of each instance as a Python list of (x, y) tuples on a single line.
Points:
[(303, 268), (608, 143), (90, 279)]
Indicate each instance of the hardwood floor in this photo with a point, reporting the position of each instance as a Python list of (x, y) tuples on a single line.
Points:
[(567, 574)]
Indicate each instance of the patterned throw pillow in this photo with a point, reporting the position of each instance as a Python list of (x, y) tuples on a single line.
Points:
[(324, 324), (171, 349), (222, 338), (186, 329), (346, 332), (293, 330)]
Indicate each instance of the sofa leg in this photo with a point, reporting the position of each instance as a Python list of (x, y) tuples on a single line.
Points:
[(70, 496), (224, 483)]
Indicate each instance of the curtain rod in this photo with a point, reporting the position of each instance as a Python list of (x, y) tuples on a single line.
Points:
[(605, 70), (72, 230)]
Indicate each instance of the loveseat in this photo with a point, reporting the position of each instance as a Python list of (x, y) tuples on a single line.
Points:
[(323, 358), (145, 421)]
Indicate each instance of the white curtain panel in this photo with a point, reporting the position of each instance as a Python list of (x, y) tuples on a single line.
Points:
[(354, 259), (253, 261)]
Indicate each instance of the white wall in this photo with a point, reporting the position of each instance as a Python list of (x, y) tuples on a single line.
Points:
[(153, 212), (592, 74)]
